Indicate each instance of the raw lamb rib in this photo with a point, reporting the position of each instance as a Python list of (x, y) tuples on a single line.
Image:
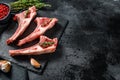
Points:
[(24, 18), (43, 24), (45, 45)]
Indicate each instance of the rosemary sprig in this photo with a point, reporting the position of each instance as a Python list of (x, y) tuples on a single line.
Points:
[(46, 44), (25, 4), (26, 13)]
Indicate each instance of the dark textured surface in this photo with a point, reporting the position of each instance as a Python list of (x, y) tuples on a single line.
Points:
[(16, 73), (90, 45)]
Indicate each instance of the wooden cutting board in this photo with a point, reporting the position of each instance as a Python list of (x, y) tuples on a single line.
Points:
[(24, 61)]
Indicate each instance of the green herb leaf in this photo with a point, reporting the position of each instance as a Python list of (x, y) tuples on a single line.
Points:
[(27, 11), (46, 44)]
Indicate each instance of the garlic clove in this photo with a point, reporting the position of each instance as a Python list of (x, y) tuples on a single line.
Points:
[(35, 63), (5, 66)]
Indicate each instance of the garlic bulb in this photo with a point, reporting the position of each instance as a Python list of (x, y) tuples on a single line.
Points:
[(5, 66)]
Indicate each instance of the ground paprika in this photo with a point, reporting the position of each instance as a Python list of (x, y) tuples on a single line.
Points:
[(4, 10)]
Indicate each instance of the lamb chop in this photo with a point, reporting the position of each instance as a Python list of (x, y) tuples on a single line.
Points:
[(24, 18), (45, 45), (43, 24)]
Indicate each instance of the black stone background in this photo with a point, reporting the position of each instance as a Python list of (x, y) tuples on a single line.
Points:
[(90, 45)]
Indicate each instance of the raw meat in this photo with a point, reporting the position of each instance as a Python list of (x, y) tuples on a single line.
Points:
[(24, 18), (43, 24), (38, 48)]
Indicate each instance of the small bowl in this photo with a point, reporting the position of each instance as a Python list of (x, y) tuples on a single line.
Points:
[(5, 19)]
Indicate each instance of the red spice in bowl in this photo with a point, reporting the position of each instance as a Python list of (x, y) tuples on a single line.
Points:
[(5, 13), (4, 10)]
